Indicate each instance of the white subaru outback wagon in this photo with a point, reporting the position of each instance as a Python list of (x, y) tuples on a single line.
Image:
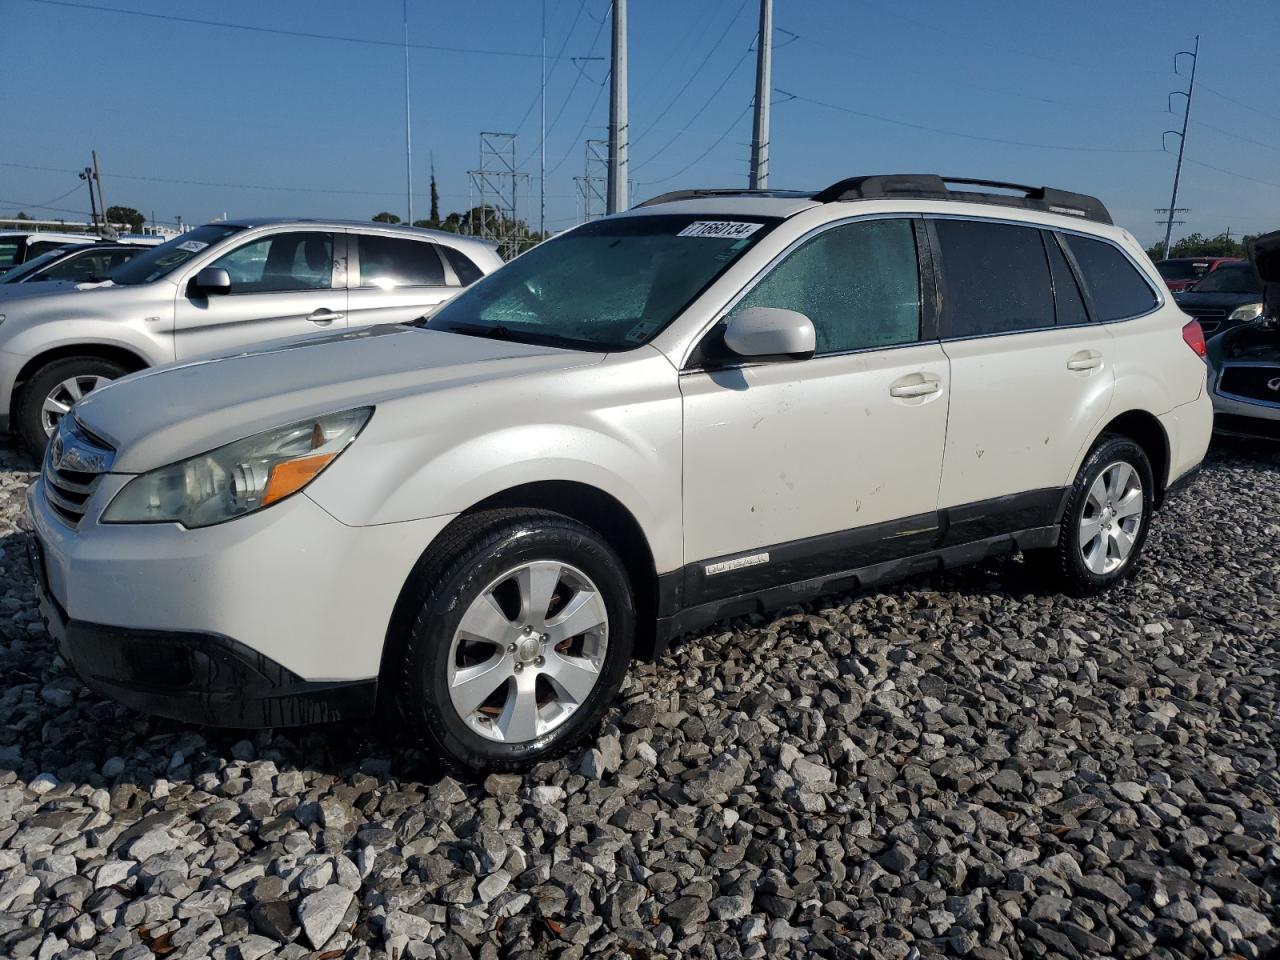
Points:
[(719, 402)]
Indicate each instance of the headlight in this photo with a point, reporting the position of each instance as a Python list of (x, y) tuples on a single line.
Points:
[(1250, 311), (239, 478)]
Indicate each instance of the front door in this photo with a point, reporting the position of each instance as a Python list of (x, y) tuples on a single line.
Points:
[(794, 469), (284, 284), (1031, 376)]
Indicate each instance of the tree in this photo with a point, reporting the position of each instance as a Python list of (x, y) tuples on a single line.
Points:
[(435, 202), (1198, 245), (385, 217), (128, 216), (21, 216)]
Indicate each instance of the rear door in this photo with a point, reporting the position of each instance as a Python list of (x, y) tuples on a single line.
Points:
[(395, 279), (1031, 376), (283, 284)]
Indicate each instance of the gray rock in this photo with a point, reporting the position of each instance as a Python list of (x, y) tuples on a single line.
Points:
[(321, 913)]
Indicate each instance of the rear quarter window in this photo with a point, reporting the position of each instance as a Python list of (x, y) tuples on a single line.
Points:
[(1115, 286), (467, 272)]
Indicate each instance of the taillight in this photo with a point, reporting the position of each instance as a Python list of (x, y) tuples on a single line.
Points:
[(1193, 334)]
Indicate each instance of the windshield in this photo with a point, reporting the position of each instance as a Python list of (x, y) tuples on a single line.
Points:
[(608, 285), (158, 261), (31, 266), (1181, 269), (1230, 278)]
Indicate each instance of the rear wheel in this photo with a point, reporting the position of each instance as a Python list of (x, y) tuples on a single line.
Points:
[(521, 642), (52, 391), (1104, 527)]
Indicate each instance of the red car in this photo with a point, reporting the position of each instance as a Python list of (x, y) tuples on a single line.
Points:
[(1181, 272)]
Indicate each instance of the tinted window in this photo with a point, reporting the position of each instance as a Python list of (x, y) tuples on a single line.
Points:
[(995, 278), (389, 262), (37, 247), (9, 252), (468, 273), (1115, 285), (859, 284), (87, 265), (1066, 292), (283, 261), (1230, 278), (1181, 269)]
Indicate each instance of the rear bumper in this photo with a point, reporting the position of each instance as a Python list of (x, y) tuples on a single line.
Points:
[(197, 678)]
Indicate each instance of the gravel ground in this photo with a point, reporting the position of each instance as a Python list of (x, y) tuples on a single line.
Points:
[(957, 766)]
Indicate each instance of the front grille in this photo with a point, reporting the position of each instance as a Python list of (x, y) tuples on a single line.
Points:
[(1202, 313), (1259, 382), (73, 467)]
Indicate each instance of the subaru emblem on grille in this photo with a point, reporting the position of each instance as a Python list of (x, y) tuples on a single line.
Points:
[(1274, 384)]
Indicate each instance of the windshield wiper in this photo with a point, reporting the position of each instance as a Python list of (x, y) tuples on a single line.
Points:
[(496, 332)]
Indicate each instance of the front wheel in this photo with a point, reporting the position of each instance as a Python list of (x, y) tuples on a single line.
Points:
[(521, 642), (52, 391), (1105, 524)]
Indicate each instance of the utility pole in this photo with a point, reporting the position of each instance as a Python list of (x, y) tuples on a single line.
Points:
[(87, 176), (408, 134), (616, 199), (542, 140), (760, 126), (1194, 54), (108, 231)]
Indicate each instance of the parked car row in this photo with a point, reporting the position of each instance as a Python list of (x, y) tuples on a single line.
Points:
[(216, 289), (480, 519)]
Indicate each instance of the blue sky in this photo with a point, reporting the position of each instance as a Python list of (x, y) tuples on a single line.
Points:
[(985, 89)]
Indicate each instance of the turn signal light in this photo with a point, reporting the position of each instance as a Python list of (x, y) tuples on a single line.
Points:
[(1193, 334), (292, 475)]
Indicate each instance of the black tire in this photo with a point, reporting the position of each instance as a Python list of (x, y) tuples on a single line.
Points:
[(1065, 564), (30, 406), (472, 554)]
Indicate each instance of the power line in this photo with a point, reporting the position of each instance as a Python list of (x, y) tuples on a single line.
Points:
[(534, 102), (1232, 173), (702, 156), (1239, 103), (715, 93), (585, 120), (698, 69), (959, 133), (300, 34), (1234, 136)]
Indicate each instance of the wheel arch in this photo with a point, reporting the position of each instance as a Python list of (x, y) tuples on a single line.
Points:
[(587, 504), (1144, 429), (131, 360)]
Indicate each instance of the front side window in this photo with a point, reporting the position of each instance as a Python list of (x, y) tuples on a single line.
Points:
[(995, 278), (390, 262), (1231, 278), (1115, 286), (610, 284), (859, 283), (160, 261), (280, 262)]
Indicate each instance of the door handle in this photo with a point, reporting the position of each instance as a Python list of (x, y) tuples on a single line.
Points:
[(323, 317), (1084, 361), (916, 385)]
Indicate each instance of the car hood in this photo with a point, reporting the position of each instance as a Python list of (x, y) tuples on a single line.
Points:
[(1226, 300), (38, 288), (176, 411)]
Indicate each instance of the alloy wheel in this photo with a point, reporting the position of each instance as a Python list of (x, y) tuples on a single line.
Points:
[(528, 651), (62, 397), (1111, 518)]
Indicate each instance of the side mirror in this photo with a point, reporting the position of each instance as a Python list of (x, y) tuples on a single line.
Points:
[(1264, 254), (771, 333), (213, 281)]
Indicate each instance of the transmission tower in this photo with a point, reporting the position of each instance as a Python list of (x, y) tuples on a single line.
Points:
[(496, 183), (593, 184)]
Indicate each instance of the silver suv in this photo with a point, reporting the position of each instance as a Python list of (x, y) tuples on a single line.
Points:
[(215, 289)]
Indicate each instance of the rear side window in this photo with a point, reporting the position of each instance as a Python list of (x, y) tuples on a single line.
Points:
[(9, 252), (1115, 286), (995, 278), (468, 273), (1066, 292), (390, 262), (859, 283)]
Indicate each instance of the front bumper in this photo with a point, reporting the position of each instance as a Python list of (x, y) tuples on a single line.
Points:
[(1242, 418), (274, 618)]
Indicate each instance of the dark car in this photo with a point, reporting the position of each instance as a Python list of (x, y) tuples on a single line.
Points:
[(1245, 359), (1224, 298), (1181, 272), (79, 263)]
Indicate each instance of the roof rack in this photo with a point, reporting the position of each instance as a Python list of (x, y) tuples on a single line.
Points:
[(930, 186), (923, 186)]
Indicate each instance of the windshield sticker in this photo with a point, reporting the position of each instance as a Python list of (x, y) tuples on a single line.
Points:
[(192, 246), (723, 229), (642, 330)]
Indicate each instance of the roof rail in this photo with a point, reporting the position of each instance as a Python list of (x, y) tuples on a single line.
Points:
[(724, 192), (930, 186)]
